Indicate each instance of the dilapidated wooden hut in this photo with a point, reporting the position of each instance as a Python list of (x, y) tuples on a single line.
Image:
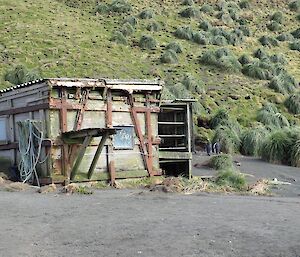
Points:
[(87, 129)]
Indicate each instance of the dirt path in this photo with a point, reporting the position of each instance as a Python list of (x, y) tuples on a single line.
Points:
[(256, 169), (137, 223)]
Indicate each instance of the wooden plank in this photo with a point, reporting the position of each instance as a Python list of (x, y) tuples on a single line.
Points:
[(24, 109), (97, 154), (149, 136), (79, 158)]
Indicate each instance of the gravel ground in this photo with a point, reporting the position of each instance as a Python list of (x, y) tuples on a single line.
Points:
[(139, 223), (255, 169)]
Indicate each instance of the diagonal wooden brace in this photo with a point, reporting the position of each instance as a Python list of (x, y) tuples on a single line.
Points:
[(83, 147), (97, 155)]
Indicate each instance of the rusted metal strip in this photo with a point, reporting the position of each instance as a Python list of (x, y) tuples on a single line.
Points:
[(78, 121), (139, 134), (63, 127), (79, 116), (25, 109), (149, 136)]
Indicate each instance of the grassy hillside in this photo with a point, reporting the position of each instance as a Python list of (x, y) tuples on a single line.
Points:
[(83, 39)]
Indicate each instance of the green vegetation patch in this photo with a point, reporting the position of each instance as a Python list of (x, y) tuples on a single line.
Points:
[(221, 162), (147, 42), (292, 103), (20, 74)]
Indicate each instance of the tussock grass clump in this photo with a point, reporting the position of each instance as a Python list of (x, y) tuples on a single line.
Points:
[(175, 46), (258, 70), (190, 12), (285, 37), (221, 162), (116, 6), (295, 45), (146, 14), (231, 178), (166, 94), (273, 26), (153, 26), (261, 54), (222, 59), (187, 2), (219, 41), (278, 58), (225, 17), (201, 38), (101, 8), (277, 16), (294, 5), (283, 146), (207, 8), (244, 4), (184, 33), (219, 118), (180, 91), (127, 29), (120, 6), (169, 56), (246, 30), (296, 33), (283, 83), (292, 103), (131, 20), (268, 41), (118, 38), (298, 17), (205, 25), (227, 131), (193, 85), (244, 59), (147, 42), (20, 74), (270, 116), (252, 140)]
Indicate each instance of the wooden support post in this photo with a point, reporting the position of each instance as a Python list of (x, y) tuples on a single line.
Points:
[(139, 134), (112, 172), (63, 127), (149, 136), (85, 144), (97, 155)]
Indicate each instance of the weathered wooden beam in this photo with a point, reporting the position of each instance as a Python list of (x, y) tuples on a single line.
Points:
[(79, 158), (97, 154), (24, 109)]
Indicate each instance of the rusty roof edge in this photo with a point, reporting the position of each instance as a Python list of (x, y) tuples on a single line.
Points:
[(157, 82)]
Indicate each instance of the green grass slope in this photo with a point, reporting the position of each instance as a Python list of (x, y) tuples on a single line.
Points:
[(69, 39)]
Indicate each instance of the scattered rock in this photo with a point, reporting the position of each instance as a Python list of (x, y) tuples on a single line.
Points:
[(47, 189), (71, 188), (1, 180), (16, 186), (260, 187), (3, 175)]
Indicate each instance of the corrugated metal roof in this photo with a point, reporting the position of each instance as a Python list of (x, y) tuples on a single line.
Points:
[(21, 85), (132, 83)]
